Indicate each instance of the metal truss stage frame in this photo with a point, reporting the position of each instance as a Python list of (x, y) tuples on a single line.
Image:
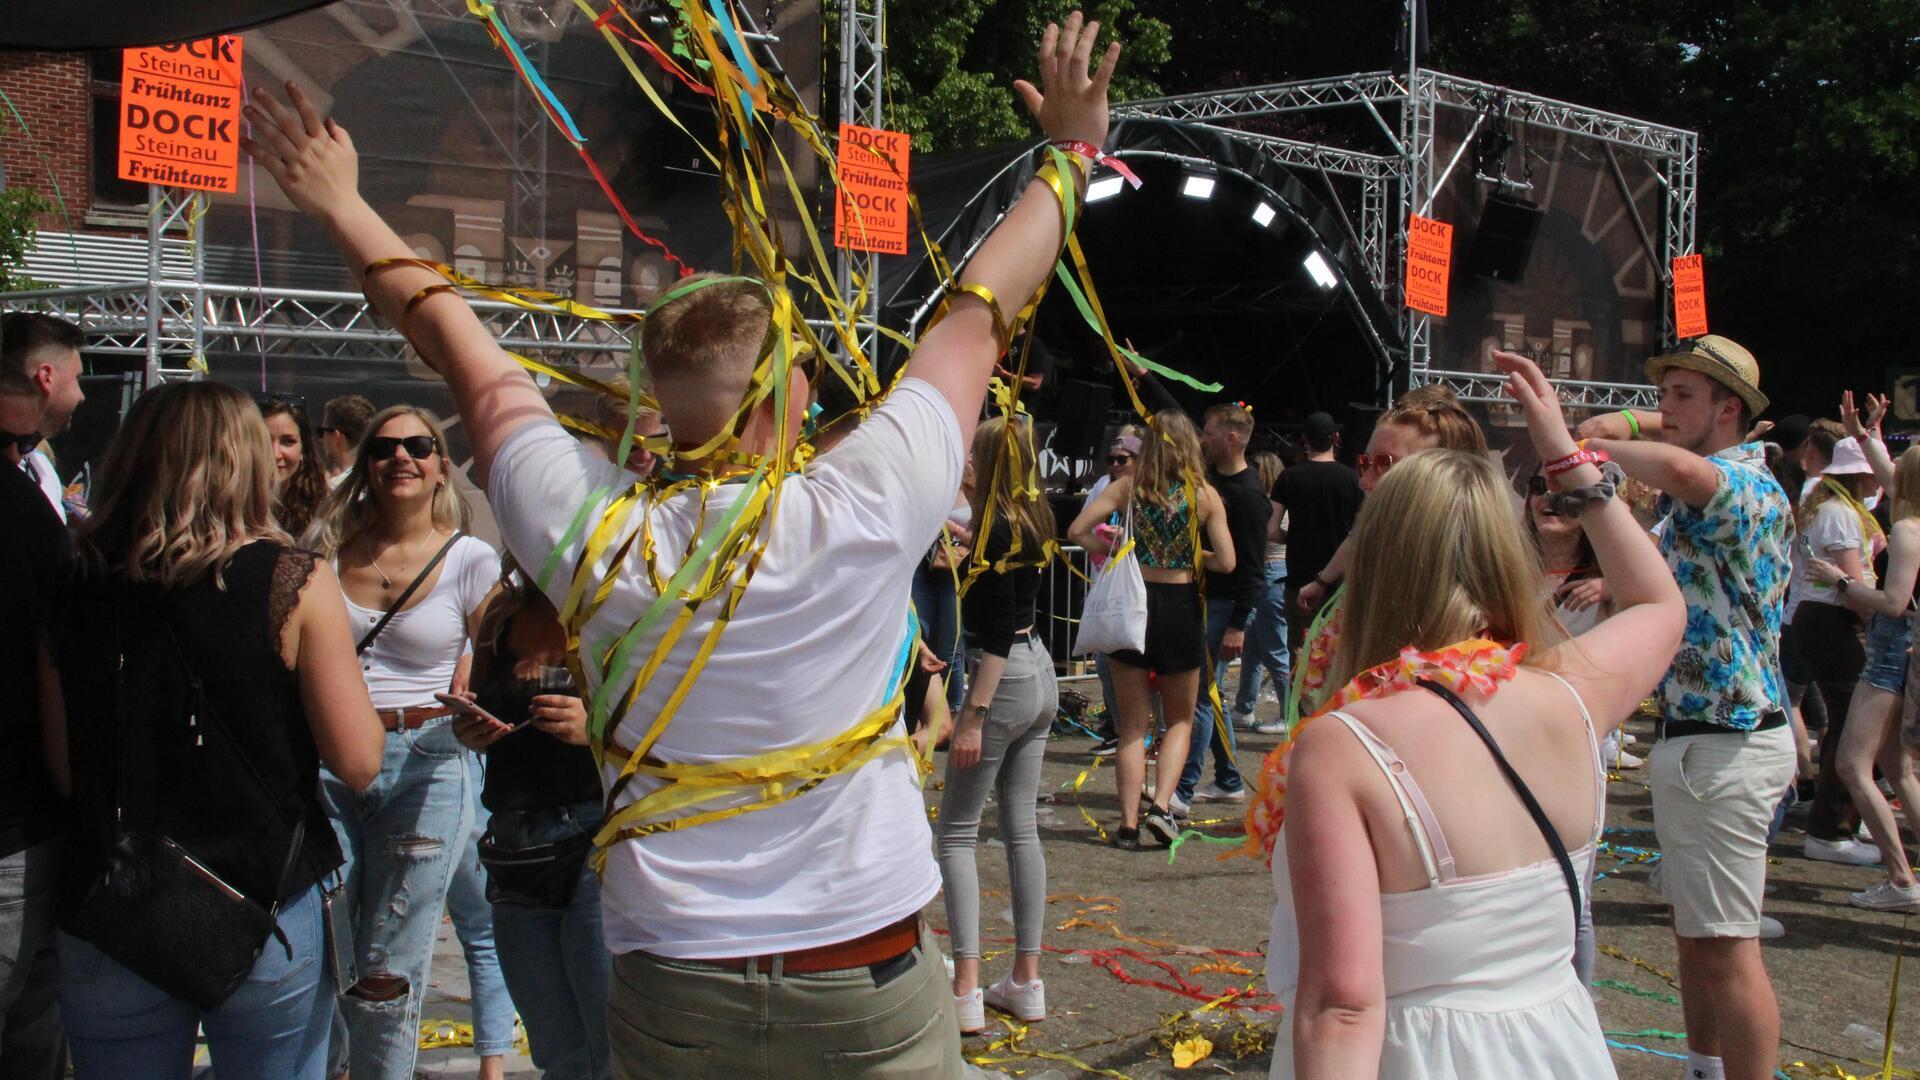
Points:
[(172, 322), (1404, 180)]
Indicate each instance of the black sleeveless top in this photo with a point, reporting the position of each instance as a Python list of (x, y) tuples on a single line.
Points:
[(190, 781)]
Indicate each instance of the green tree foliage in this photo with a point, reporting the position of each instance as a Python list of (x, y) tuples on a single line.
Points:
[(17, 209), (951, 64)]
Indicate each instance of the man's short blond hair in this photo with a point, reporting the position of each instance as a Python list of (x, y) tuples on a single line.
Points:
[(700, 350)]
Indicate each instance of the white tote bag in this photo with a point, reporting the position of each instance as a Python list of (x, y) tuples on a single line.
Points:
[(1114, 616)]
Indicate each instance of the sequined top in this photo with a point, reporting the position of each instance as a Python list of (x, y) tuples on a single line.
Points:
[(1165, 537)]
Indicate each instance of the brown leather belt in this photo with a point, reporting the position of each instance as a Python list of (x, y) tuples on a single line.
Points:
[(412, 717), (887, 943)]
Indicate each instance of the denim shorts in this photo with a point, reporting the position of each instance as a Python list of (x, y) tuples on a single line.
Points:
[(1887, 643)]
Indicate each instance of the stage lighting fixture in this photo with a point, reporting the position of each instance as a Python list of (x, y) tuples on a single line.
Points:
[(1319, 270), (1197, 187), (1105, 188), (1263, 215)]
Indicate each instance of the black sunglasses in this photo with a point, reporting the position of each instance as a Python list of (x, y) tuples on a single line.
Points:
[(291, 401), (1536, 485), (1119, 459), (382, 447), (325, 430)]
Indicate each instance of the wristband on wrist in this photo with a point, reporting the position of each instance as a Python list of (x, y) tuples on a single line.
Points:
[(1633, 423), (1094, 154), (1584, 456)]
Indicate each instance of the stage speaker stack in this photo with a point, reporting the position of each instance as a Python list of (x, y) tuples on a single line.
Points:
[(1505, 238), (1082, 428)]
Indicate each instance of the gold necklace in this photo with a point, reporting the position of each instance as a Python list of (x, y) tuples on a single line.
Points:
[(385, 581)]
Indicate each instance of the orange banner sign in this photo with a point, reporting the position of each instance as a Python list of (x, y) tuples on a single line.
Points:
[(1689, 296), (180, 114), (870, 213), (1429, 264)]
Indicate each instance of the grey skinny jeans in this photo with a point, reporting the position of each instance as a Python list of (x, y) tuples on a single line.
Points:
[(1013, 744)]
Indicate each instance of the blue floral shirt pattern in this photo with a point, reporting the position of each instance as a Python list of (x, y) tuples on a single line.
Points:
[(1732, 560)]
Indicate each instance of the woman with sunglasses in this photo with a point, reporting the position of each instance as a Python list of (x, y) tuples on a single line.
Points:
[(394, 520), (299, 476), (1425, 418)]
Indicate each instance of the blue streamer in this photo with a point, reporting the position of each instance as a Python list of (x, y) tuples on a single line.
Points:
[(533, 78), (734, 43)]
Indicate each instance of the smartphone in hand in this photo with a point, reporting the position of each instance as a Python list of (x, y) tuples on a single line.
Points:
[(468, 708)]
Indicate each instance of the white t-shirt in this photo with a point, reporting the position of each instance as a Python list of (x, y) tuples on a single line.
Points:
[(812, 649), (415, 656), (1093, 492), (42, 473), (1834, 528)]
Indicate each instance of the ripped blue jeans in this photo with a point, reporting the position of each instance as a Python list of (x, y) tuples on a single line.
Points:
[(402, 838)]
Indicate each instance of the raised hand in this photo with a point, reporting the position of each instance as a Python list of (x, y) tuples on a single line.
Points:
[(1071, 102), (1539, 403), (310, 157)]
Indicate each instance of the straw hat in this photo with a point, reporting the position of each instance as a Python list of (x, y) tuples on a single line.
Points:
[(1721, 359)]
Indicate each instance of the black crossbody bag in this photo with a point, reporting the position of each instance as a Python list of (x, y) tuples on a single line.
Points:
[(158, 911), (1519, 788), (387, 617)]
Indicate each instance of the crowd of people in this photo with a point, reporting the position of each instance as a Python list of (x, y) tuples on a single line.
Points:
[(282, 711)]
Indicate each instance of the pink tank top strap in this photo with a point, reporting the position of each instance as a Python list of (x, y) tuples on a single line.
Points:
[(1427, 836)]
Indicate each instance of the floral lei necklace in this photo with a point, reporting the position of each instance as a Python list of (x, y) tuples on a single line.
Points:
[(1475, 665)]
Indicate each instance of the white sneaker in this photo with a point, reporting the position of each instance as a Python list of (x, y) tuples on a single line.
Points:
[(1887, 896), (1211, 792), (1245, 721), (1027, 1003), (1624, 760), (1178, 806), (972, 1011), (1848, 851), (1770, 929), (1275, 727), (1627, 738)]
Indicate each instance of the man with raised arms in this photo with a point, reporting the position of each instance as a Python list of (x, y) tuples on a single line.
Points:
[(785, 939)]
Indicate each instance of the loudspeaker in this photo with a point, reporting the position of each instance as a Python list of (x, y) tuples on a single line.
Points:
[(1083, 418), (1505, 238)]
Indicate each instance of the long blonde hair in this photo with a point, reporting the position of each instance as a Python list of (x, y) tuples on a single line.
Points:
[(1169, 456), (1906, 484), (351, 508), (1439, 555), (187, 483), (1002, 467), (1822, 494)]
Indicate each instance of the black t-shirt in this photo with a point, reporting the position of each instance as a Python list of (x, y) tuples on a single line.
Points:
[(998, 605), (1322, 499), (34, 551), (1248, 512), (529, 769)]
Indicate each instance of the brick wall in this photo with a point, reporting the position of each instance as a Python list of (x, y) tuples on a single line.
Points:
[(50, 91)]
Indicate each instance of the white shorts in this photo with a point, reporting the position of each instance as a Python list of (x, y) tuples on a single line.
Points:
[(1713, 801)]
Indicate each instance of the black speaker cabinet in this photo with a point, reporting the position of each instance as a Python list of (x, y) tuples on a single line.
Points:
[(1505, 238), (1083, 418)]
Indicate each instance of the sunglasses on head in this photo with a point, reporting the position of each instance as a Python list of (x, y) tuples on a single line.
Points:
[(1382, 462), (382, 447), (268, 401)]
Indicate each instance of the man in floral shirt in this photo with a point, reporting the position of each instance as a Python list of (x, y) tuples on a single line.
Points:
[(1726, 750)]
